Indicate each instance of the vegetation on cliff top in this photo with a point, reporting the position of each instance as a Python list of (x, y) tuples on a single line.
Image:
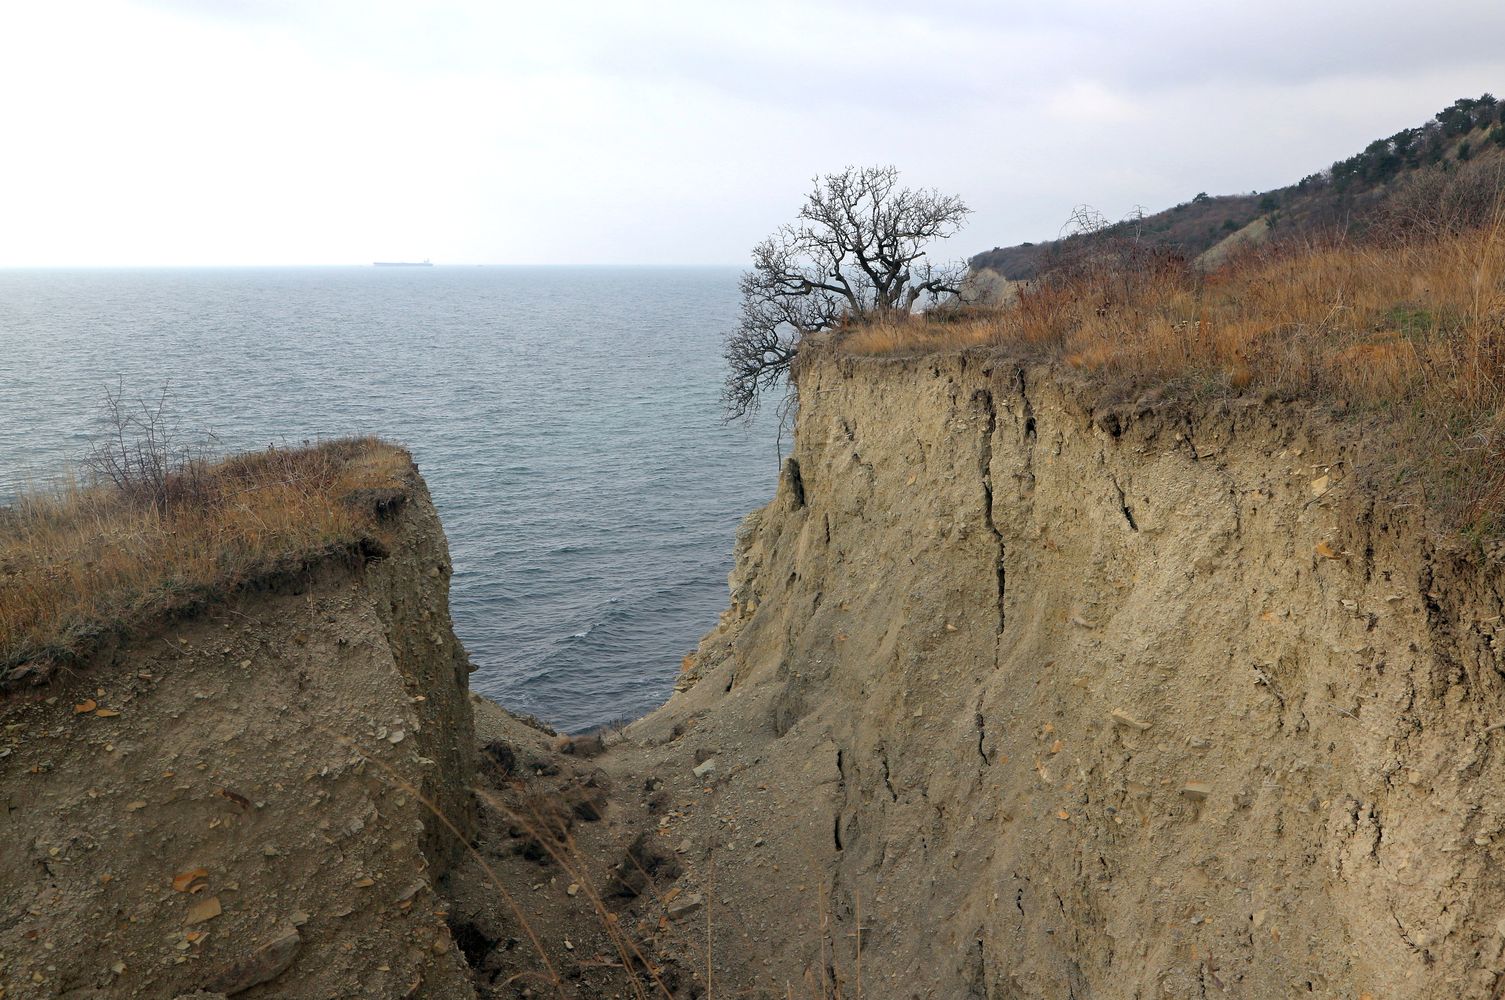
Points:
[(1402, 327), (857, 250), (87, 560)]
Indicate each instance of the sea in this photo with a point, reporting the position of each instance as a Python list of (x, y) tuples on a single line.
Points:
[(567, 421)]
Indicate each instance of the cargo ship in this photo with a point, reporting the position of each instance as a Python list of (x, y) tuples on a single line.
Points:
[(425, 262)]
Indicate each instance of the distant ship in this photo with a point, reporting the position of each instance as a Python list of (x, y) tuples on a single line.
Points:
[(425, 262)]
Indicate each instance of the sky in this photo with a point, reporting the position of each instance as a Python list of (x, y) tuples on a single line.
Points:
[(230, 132)]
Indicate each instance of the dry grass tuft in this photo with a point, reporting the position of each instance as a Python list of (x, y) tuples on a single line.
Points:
[(889, 336), (1408, 332), (82, 561)]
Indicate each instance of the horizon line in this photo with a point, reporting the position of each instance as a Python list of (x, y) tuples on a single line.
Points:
[(364, 264)]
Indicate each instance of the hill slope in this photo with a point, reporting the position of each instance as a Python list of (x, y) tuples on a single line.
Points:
[(1469, 130)]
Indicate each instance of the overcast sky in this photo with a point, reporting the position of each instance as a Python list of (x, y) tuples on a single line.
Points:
[(343, 131)]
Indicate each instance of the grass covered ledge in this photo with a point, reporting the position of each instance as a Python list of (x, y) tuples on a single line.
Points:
[(1403, 338), (83, 562)]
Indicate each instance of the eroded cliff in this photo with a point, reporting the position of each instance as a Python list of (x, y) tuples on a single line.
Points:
[(239, 800), (1019, 697)]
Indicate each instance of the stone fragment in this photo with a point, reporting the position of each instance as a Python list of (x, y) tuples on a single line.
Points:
[(1197, 791), (705, 767), (204, 909), (685, 905), (1125, 719)]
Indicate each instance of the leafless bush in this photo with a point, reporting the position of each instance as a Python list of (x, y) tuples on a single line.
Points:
[(1111, 260), (143, 453)]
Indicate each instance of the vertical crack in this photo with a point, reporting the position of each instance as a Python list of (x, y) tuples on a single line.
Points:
[(887, 779), (1123, 504), (1029, 408), (985, 472), (795, 482)]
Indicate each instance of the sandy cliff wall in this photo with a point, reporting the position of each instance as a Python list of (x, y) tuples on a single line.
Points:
[(1034, 701), (238, 797)]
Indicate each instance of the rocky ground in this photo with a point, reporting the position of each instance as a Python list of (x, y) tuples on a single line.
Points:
[(568, 889), (620, 873), (158, 835)]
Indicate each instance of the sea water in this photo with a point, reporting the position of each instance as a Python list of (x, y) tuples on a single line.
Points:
[(567, 421)]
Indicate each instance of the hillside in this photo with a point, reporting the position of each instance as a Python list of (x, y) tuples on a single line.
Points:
[(1349, 193)]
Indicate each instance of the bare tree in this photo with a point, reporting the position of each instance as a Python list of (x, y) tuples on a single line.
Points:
[(858, 250)]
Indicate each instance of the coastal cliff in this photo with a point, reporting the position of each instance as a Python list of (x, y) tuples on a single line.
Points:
[(209, 801), (1021, 696)]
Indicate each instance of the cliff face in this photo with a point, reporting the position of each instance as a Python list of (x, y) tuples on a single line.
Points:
[(239, 798), (1016, 699)]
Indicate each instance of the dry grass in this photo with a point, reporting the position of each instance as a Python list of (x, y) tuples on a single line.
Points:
[(1408, 333), (922, 336), (80, 561)]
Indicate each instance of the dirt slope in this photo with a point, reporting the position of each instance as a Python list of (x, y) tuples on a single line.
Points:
[(1016, 699)]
